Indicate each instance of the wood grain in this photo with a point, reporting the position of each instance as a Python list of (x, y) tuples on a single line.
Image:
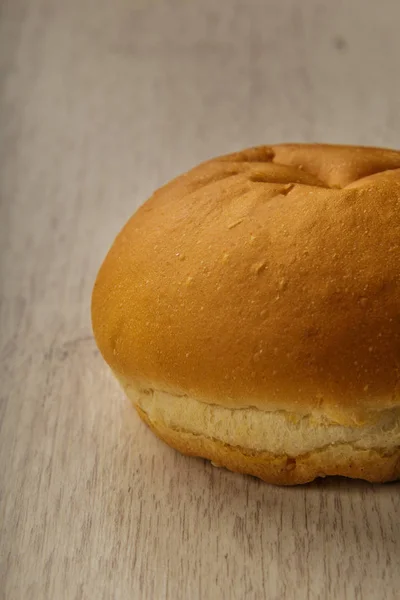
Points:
[(101, 102)]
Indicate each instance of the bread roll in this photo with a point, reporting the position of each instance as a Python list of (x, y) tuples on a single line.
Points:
[(251, 311)]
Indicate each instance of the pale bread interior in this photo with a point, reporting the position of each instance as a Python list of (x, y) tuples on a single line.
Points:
[(278, 432)]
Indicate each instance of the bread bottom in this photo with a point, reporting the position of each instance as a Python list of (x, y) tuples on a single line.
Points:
[(374, 465)]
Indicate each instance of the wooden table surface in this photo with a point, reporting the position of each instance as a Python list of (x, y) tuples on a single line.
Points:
[(102, 101)]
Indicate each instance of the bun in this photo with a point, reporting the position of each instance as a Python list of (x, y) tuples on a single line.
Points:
[(251, 310)]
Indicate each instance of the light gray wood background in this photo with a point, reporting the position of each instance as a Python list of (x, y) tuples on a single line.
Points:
[(102, 101)]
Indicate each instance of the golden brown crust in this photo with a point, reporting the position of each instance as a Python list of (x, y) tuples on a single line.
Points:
[(270, 274), (371, 465)]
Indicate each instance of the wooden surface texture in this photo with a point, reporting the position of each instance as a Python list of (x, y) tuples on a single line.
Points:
[(101, 101)]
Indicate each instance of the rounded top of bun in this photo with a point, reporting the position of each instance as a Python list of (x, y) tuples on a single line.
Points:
[(267, 278)]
